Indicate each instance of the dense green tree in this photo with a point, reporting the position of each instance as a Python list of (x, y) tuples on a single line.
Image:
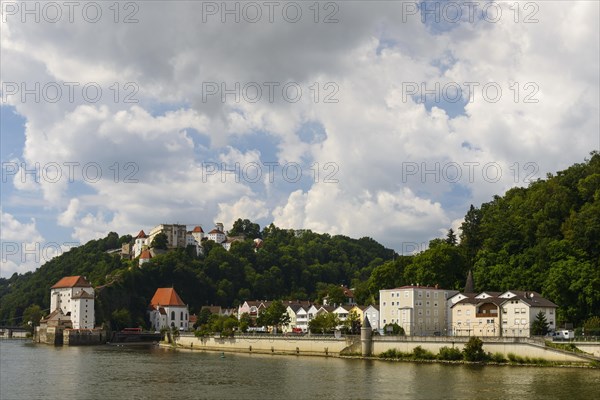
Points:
[(203, 317), (353, 323), (539, 326), (470, 237), (32, 316), (591, 326), (473, 350), (451, 237), (393, 329), (275, 315), (160, 241), (245, 322), (323, 323), (245, 227), (335, 295), (120, 319)]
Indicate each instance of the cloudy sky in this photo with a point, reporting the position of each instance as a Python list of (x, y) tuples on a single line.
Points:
[(363, 118)]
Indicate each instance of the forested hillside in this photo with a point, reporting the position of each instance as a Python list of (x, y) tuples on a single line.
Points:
[(545, 238), (290, 264)]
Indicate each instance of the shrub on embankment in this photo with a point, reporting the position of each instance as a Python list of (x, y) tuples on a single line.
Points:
[(472, 352)]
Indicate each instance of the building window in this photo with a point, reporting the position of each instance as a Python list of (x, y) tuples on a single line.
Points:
[(459, 312), (420, 293), (406, 293), (435, 313), (551, 311), (392, 303), (172, 315), (427, 312), (468, 312), (435, 295), (427, 294), (181, 315), (384, 303)]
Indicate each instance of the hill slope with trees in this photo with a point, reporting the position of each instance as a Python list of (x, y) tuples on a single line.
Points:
[(545, 237)]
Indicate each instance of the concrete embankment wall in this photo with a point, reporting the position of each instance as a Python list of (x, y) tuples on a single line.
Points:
[(69, 337), (49, 335), (521, 347), (82, 337), (327, 346), (330, 346), (592, 348)]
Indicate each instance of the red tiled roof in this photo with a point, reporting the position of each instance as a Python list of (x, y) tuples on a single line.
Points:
[(193, 318), (145, 255), (71, 281), (198, 229), (214, 231), (166, 297), (141, 235)]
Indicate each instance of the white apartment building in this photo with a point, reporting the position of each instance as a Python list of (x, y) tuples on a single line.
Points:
[(519, 310), (419, 310)]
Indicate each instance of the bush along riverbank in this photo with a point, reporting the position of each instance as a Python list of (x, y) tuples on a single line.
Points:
[(472, 353)]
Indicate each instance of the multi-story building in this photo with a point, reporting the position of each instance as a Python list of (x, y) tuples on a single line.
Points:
[(194, 238), (372, 314), (475, 314), (519, 310), (176, 235), (419, 310), (74, 297), (507, 314), (167, 310), (141, 243), (217, 234)]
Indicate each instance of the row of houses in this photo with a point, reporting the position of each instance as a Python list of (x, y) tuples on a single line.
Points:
[(419, 310), (302, 312), (425, 311)]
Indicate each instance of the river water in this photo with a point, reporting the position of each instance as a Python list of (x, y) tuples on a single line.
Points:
[(29, 371)]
